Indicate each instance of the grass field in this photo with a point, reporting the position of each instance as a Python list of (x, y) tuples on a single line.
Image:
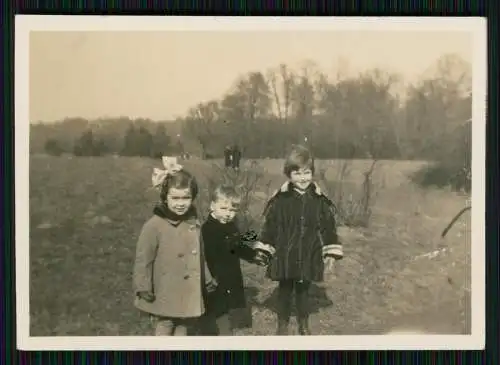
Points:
[(86, 213)]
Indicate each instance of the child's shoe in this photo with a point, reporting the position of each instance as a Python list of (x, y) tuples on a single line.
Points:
[(304, 329), (282, 327)]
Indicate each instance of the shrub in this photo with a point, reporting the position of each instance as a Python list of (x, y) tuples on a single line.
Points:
[(454, 168), (248, 180), (88, 145), (53, 147), (443, 174), (353, 208), (353, 202)]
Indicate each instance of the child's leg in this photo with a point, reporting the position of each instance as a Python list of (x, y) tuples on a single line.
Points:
[(285, 290), (224, 325), (182, 326), (302, 301), (208, 325), (180, 330), (163, 326)]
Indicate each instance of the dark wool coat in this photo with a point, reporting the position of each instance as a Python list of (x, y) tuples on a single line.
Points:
[(170, 263), (223, 252), (302, 229)]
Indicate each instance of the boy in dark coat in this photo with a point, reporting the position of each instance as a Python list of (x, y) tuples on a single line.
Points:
[(223, 251), (300, 226)]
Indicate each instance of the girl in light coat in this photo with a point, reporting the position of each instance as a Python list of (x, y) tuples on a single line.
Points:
[(170, 270)]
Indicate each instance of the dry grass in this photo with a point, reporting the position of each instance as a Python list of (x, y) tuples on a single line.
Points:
[(81, 268)]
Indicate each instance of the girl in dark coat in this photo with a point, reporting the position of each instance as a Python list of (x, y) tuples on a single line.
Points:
[(223, 252), (300, 226)]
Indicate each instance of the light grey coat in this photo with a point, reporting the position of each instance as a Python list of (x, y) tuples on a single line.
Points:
[(170, 263)]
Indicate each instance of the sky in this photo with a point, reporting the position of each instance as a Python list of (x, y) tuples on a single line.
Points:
[(161, 74)]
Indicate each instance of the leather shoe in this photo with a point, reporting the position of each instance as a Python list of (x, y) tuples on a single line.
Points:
[(282, 328), (304, 329)]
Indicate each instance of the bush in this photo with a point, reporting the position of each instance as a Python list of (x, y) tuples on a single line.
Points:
[(442, 174), (454, 168), (353, 208), (53, 147), (353, 201), (247, 180), (88, 145)]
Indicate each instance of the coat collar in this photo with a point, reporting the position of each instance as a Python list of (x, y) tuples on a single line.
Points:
[(191, 217), (211, 220), (192, 222), (287, 186)]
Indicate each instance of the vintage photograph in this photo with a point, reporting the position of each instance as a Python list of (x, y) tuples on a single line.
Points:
[(221, 177)]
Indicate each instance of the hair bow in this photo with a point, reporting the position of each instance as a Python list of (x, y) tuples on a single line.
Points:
[(171, 167)]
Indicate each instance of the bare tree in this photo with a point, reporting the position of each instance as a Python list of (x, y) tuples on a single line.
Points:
[(248, 103), (281, 82), (201, 123)]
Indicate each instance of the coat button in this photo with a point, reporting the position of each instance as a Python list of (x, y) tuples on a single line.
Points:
[(180, 255), (186, 277), (194, 252), (228, 291)]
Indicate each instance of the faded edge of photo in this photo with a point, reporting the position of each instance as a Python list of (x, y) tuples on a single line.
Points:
[(25, 23)]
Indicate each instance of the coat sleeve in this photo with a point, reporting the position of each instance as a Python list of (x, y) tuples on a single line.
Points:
[(146, 250), (331, 244), (241, 250), (210, 252), (244, 252), (269, 232), (206, 258)]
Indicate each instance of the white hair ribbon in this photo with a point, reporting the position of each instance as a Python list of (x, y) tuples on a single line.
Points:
[(171, 167)]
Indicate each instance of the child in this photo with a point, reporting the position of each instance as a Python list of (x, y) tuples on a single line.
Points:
[(223, 252), (170, 269), (300, 226)]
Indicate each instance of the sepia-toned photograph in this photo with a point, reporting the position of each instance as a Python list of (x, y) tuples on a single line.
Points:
[(250, 177)]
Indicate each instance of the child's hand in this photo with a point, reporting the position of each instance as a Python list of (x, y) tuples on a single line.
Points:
[(212, 285), (261, 258), (147, 296), (263, 253), (329, 263)]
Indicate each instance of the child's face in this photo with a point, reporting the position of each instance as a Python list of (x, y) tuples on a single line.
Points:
[(301, 178), (224, 210), (179, 200)]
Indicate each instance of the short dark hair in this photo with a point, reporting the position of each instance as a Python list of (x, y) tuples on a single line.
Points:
[(299, 157), (179, 180)]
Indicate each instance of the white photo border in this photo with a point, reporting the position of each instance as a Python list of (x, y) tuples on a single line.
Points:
[(24, 24)]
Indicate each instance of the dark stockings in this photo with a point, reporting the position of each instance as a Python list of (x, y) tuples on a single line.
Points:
[(285, 292)]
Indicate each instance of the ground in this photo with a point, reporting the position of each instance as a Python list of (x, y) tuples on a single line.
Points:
[(86, 213)]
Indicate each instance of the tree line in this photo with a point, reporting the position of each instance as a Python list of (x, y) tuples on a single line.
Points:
[(118, 136), (370, 115)]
